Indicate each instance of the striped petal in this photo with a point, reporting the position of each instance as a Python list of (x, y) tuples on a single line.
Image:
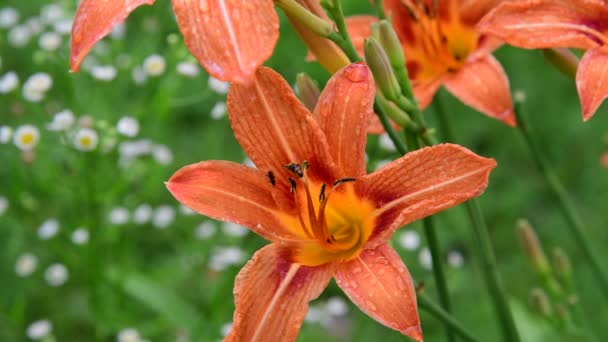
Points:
[(378, 282), (94, 20), (422, 183), (230, 39), (272, 294)]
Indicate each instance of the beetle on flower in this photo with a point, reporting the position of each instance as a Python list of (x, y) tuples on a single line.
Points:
[(311, 197)]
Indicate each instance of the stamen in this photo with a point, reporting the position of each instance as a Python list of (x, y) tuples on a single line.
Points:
[(293, 184), (295, 169), (322, 193), (271, 178), (344, 180)]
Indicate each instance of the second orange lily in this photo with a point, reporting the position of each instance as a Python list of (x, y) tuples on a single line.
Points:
[(311, 197), (230, 39), (442, 47)]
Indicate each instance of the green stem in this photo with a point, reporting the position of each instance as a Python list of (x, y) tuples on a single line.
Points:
[(426, 304), (341, 38), (486, 251), (380, 9), (381, 113), (565, 202)]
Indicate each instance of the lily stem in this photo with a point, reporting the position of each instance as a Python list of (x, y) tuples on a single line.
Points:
[(486, 251), (575, 223), (341, 38), (429, 306)]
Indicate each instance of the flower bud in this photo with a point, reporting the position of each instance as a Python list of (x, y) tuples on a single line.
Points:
[(539, 301), (308, 91), (381, 68), (563, 59), (387, 37), (532, 247), (563, 267)]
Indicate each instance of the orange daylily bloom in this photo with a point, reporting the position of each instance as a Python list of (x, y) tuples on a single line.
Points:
[(560, 23), (229, 39), (442, 47), (311, 197)]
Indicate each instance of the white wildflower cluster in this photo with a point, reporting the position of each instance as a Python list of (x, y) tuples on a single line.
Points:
[(39, 330), (205, 230), (56, 275), (62, 121), (188, 69), (327, 312), (80, 236), (163, 216), (234, 230), (51, 24), (133, 149), (224, 257), (9, 82), (36, 86), (160, 217), (48, 229), (103, 72), (128, 126), (129, 335), (218, 86), (26, 264)]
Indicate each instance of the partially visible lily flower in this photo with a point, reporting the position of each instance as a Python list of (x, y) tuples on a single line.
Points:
[(560, 23), (230, 39), (311, 197), (442, 47)]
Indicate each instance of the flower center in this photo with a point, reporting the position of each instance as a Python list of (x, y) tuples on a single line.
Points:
[(332, 216)]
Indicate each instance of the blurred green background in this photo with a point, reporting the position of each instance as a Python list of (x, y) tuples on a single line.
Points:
[(151, 270)]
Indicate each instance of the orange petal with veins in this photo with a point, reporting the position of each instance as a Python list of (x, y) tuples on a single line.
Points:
[(343, 113), (483, 85), (275, 129), (94, 20), (272, 295), (592, 81), (378, 282), (424, 91), (230, 39), (422, 183), (228, 191), (548, 23)]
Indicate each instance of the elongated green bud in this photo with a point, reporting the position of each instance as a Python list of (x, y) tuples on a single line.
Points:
[(308, 91), (381, 68), (532, 247), (563, 267), (387, 37), (563, 59), (539, 301)]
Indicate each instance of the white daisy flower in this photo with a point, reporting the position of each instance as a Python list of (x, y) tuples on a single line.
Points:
[(104, 72), (128, 335), (6, 133), (128, 126), (218, 111), (19, 36), (455, 259), (224, 257), (85, 139), (9, 82), (425, 258), (35, 25), (62, 121), (56, 275), (188, 69), (220, 87), (118, 32), (8, 17), (36, 86), (26, 264), (52, 13), (409, 240), (49, 41), (142, 213), (26, 137), (138, 75), (205, 230), (336, 306), (163, 216), (154, 65), (162, 154), (80, 236), (118, 215), (234, 230), (48, 229), (39, 330), (63, 26)]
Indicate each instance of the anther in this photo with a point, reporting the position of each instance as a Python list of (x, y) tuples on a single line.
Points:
[(271, 178), (322, 193), (293, 184), (296, 169), (344, 180)]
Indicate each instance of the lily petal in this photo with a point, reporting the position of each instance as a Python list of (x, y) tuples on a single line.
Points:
[(94, 20), (343, 113), (424, 91), (378, 282), (272, 295), (422, 183), (216, 188), (548, 23), (280, 130), (359, 28), (483, 85), (230, 39), (592, 81)]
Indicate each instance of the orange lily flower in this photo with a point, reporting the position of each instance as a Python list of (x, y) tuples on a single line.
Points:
[(230, 39), (311, 197), (560, 23), (442, 47)]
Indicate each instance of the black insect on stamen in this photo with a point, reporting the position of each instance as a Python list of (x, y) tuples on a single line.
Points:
[(293, 184), (295, 169), (322, 193), (344, 180), (271, 178)]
